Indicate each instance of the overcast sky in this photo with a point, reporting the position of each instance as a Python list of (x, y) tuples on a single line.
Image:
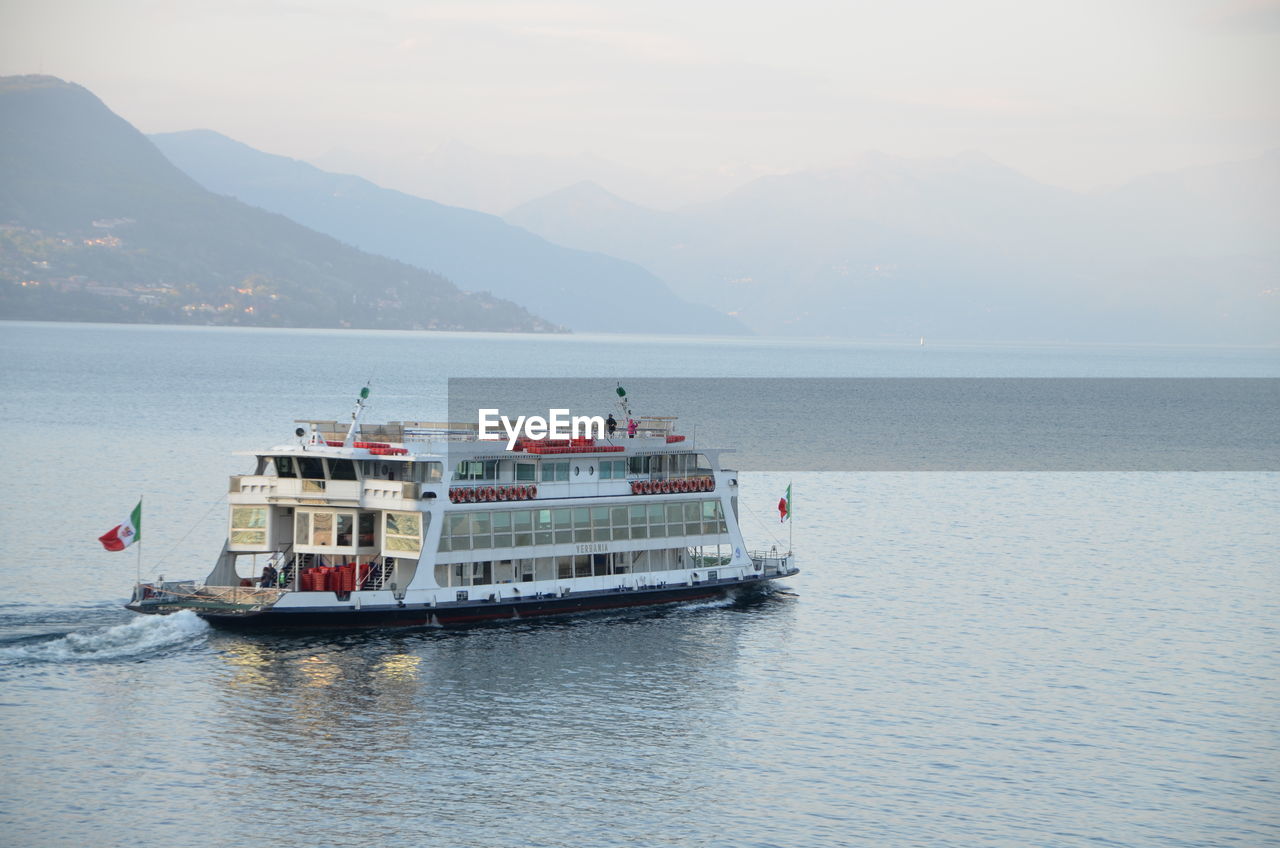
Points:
[(1079, 93)]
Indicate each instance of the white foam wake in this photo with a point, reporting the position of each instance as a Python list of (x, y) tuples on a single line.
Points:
[(142, 635)]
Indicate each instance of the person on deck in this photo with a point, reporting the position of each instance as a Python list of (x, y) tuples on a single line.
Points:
[(268, 577), (611, 424), (631, 428)]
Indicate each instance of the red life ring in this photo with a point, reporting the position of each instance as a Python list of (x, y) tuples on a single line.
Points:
[(646, 486), (686, 485), (502, 493), (519, 495), (473, 494), (533, 491), (635, 487), (490, 493)]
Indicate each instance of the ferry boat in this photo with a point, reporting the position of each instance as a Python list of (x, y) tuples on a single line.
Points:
[(421, 524)]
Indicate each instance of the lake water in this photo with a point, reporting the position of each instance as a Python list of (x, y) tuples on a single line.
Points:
[(967, 658)]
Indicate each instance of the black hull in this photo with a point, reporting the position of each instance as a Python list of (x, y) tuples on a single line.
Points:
[(468, 612)]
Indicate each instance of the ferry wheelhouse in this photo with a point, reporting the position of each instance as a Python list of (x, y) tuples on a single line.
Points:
[(421, 523)]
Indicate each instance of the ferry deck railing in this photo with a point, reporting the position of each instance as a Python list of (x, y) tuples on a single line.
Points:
[(771, 562)]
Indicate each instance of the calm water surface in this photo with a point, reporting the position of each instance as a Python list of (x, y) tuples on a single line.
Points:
[(966, 658)]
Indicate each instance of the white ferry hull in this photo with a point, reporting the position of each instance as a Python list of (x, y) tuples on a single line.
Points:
[(458, 613)]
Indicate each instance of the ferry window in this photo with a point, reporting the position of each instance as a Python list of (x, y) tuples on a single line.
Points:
[(344, 529), (702, 464), (542, 526), (341, 469), (481, 536), (248, 525), (692, 519), (600, 521), (311, 467), (403, 531), (555, 471), (473, 469), (675, 515), (639, 527), (639, 465), (366, 529), (613, 469), (582, 565), (657, 522), (502, 529), (582, 524), (433, 472), (563, 520), (564, 567), (322, 528), (284, 466), (710, 516), (302, 528), (526, 472), (522, 523)]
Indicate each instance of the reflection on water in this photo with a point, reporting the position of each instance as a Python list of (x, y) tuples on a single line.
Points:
[(619, 705)]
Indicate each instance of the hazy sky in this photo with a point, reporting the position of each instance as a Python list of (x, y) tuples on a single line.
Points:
[(1078, 93)]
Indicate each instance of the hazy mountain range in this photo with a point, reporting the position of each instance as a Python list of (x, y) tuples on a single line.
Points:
[(962, 248), (96, 224), (582, 290), (464, 175)]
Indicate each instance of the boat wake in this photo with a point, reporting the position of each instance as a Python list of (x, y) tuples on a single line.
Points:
[(143, 635)]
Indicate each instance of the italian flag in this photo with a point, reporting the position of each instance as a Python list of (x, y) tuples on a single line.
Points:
[(125, 533), (784, 505)]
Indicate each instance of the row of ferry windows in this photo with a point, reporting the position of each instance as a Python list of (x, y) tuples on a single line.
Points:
[(332, 468), (550, 471), (580, 565), (479, 530)]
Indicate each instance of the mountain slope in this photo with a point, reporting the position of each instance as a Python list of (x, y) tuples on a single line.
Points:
[(580, 289), (960, 247), (99, 225)]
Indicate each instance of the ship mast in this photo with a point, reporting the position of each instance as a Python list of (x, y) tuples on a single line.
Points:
[(355, 416)]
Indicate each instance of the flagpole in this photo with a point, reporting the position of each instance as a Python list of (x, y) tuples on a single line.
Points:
[(791, 520), (137, 586)]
